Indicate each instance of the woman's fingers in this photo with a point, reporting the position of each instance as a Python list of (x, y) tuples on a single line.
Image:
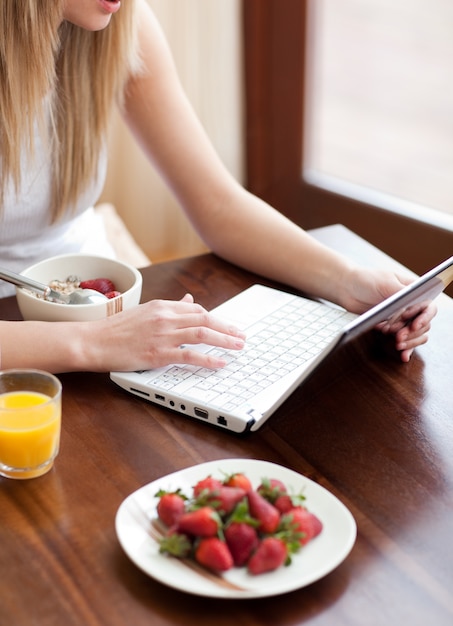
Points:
[(197, 325), (410, 328), (173, 328)]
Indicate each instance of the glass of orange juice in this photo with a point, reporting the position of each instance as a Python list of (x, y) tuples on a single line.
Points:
[(30, 422)]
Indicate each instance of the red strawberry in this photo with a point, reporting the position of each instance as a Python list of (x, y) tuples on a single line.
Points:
[(206, 484), (214, 554), (176, 544), (238, 480), (270, 554), (203, 522), (271, 489), (317, 525), (305, 523), (265, 512), (112, 294), (170, 507), (224, 498), (103, 285), (284, 503), (242, 540)]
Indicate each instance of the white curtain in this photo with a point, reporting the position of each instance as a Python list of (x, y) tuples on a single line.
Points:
[(205, 37)]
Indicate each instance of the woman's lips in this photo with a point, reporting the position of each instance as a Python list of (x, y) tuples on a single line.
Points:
[(111, 6)]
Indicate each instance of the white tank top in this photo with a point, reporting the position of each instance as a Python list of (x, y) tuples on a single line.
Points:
[(26, 232)]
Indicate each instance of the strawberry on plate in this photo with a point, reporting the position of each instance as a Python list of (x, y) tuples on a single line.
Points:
[(223, 499), (242, 540), (238, 479), (265, 512), (204, 522), (270, 555), (213, 553), (171, 506), (205, 485), (304, 522)]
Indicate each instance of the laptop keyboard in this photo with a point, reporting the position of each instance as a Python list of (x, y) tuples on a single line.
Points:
[(275, 346)]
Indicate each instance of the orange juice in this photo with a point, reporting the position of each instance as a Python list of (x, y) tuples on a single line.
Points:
[(29, 432)]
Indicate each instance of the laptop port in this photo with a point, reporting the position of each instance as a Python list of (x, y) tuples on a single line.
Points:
[(143, 393), (222, 421), (201, 413), (159, 397)]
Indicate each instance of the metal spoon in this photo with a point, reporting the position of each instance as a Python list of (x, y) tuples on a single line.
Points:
[(79, 296)]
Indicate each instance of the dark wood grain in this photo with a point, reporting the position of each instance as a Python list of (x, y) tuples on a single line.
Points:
[(377, 433)]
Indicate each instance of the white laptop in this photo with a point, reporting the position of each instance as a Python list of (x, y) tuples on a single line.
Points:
[(288, 336)]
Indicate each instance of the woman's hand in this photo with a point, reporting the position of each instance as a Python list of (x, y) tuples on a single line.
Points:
[(369, 287), (159, 333), (411, 328)]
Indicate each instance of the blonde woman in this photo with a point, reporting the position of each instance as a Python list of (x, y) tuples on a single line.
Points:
[(64, 66)]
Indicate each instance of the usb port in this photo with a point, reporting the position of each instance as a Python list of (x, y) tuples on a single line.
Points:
[(159, 397), (201, 413)]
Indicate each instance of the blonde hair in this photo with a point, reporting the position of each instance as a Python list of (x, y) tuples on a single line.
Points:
[(83, 75)]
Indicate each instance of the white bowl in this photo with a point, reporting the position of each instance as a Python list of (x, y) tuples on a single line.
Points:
[(127, 280)]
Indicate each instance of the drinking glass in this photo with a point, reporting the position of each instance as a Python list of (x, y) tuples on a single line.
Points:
[(30, 422)]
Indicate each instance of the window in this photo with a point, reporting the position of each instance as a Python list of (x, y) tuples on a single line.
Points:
[(321, 131)]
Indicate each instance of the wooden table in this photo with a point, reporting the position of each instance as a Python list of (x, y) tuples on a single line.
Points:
[(377, 433)]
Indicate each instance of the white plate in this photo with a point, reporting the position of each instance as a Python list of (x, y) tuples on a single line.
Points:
[(315, 560)]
